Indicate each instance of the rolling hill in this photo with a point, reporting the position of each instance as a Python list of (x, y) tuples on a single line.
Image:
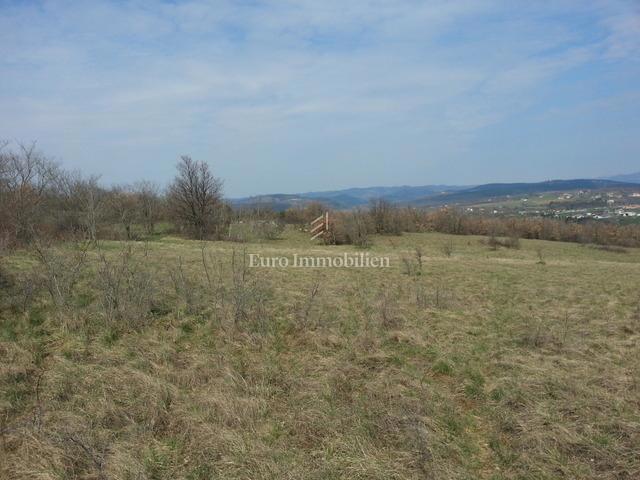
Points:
[(492, 191), (629, 178), (427, 195)]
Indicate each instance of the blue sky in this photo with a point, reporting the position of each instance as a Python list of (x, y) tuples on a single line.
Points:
[(290, 96)]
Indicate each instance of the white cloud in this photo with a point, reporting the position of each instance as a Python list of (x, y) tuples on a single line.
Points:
[(220, 74)]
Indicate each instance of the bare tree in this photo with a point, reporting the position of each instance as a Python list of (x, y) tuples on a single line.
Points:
[(149, 204), (84, 201), (384, 216), (4, 193), (123, 205), (92, 197), (25, 176), (195, 198)]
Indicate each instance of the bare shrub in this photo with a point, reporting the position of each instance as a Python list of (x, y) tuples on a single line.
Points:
[(185, 288), (350, 228), (421, 297), (385, 217), (494, 242), (412, 265), (388, 309), (214, 272), (511, 242), (247, 294), (60, 271), (126, 289), (418, 255), (439, 296)]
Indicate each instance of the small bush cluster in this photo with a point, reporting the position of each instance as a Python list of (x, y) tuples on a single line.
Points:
[(510, 242)]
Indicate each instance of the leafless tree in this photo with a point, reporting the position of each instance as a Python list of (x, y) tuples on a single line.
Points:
[(123, 206), (92, 197), (385, 217), (195, 198), (84, 201), (25, 176), (149, 204)]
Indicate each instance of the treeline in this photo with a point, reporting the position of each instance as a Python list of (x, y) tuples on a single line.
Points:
[(38, 199), (356, 226)]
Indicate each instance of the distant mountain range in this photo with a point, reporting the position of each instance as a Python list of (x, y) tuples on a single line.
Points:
[(629, 178), (433, 195), (347, 198), (492, 191)]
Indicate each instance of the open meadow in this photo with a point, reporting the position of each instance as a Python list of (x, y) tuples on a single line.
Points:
[(174, 358)]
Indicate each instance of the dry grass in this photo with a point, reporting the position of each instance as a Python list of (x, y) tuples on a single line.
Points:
[(487, 364)]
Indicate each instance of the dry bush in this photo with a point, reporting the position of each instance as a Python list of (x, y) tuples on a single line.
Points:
[(412, 266), (438, 296), (60, 271), (214, 272), (512, 242), (388, 309), (494, 242), (247, 294), (385, 218), (303, 215), (350, 228), (236, 292), (125, 288), (185, 287)]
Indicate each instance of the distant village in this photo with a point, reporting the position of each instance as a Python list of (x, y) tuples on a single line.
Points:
[(577, 205)]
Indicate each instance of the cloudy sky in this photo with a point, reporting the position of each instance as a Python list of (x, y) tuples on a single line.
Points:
[(289, 96)]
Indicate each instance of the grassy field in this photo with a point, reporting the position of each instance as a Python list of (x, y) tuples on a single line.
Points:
[(172, 359)]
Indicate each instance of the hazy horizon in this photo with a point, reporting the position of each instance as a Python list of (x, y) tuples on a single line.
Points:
[(290, 97)]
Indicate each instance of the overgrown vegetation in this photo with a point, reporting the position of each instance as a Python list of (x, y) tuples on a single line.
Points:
[(174, 359)]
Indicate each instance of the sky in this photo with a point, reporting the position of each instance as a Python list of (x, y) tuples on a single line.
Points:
[(293, 96)]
